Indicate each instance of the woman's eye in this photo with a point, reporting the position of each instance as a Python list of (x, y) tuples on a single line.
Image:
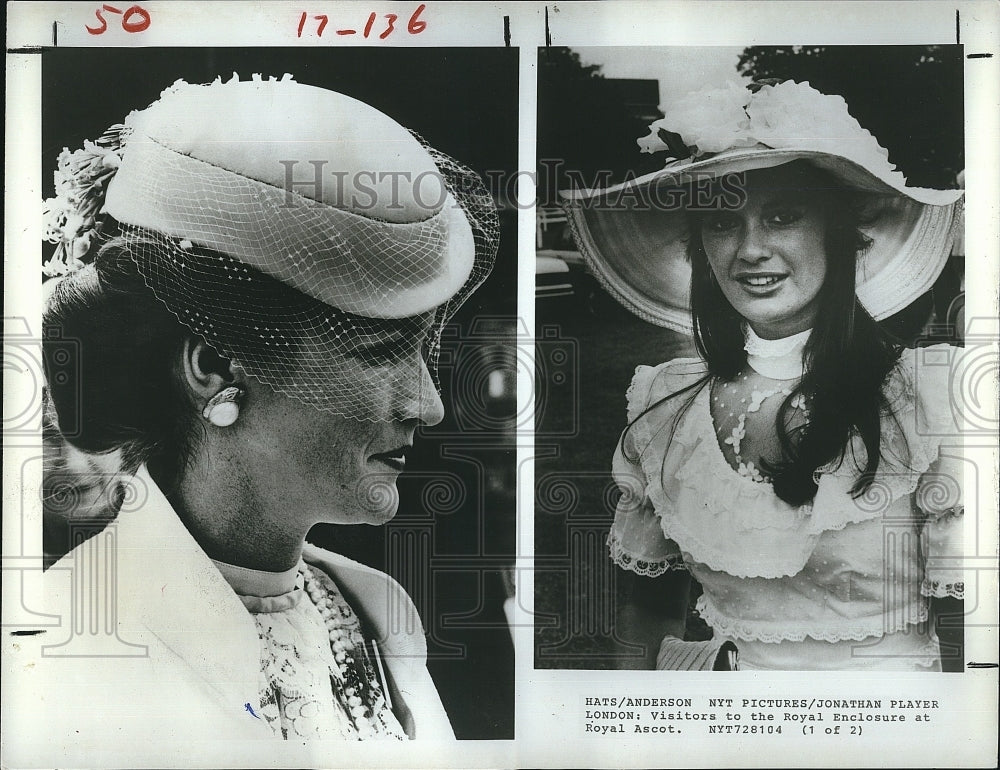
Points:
[(786, 217), (384, 354), (721, 224)]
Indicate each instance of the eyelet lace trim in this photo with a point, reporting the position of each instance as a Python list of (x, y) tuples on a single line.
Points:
[(940, 590), (764, 631), (642, 567), (743, 505)]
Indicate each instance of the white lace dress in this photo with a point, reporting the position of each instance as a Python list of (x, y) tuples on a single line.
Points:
[(317, 679), (841, 583)]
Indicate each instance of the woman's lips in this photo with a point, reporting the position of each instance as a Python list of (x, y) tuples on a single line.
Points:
[(395, 459), (760, 284)]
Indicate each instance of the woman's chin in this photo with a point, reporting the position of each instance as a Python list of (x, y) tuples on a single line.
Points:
[(383, 516), (377, 502), (373, 504), (775, 323)]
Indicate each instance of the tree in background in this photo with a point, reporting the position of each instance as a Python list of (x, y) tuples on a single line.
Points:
[(584, 125), (910, 97)]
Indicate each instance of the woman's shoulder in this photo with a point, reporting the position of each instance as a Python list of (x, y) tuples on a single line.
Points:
[(652, 383), (392, 619), (377, 597), (925, 394), (927, 388), (351, 575)]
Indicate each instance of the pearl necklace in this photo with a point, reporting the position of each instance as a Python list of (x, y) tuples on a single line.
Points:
[(777, 360), (357, 688)]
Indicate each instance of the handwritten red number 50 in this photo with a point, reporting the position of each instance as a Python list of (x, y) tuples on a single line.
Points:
[(130, 22)]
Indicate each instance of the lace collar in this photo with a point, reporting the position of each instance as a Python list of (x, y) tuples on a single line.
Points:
[(778, 359)]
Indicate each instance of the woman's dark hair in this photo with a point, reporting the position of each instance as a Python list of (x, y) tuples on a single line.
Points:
[(112, 350), (110, 354), (847, 358)]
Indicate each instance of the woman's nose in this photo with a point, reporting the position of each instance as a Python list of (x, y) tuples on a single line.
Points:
[(421, 400), (754, 247)]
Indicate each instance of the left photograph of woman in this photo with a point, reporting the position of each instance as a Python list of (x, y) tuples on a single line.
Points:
[(250, 282)]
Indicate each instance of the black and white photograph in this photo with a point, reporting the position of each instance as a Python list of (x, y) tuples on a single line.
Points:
[(755, 255), (277, 289), (605, 383)]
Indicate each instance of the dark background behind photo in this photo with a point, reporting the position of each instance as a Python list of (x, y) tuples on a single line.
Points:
[(910, 97), (452, 543)]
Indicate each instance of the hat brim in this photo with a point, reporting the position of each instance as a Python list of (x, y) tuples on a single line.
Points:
[(639, 253), (852, 173)]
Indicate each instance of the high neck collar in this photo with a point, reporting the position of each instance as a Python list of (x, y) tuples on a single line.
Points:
[(778, 359), (263, 591)]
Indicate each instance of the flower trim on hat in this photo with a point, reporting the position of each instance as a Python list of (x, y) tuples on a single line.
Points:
[(180, 85), (781, 116), (73, 218), (702, 122)]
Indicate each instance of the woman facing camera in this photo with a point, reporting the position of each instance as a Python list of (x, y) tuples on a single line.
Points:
[(800, 467), (255, 344)]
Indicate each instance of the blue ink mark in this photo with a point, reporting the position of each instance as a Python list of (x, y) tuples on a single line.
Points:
[(249, 708)]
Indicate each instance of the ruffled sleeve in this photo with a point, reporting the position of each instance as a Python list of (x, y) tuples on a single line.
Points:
[(938, 498), (942, 541), (637, 541)]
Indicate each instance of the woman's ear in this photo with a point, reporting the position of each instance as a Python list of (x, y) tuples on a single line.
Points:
[(205, 373)]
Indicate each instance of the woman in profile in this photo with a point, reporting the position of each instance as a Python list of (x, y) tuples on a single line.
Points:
[(255, 352), (799, 468)]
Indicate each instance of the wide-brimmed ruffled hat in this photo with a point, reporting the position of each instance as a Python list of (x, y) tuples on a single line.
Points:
[(634, 235), (284, 223)]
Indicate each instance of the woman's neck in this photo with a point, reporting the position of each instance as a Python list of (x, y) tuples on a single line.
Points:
[(779, 359), (232, 521)]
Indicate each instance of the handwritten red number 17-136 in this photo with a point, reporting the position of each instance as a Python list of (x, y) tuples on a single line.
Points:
[(134, 19), (414, 26)]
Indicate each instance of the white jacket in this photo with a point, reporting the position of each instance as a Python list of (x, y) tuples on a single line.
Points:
[(184, 662)]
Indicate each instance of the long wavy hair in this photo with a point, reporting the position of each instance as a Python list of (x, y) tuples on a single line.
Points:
[(847, 358)]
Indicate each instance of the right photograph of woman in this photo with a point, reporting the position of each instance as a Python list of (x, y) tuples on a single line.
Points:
[(803, 466)]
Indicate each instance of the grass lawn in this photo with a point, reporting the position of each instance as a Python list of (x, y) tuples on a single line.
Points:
[(588, 350)]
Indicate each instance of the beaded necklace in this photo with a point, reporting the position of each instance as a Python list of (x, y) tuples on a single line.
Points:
[(318, 677), (358, 688), (778, 360)]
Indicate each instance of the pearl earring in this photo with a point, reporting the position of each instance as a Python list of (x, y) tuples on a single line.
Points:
[(223, 408)]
